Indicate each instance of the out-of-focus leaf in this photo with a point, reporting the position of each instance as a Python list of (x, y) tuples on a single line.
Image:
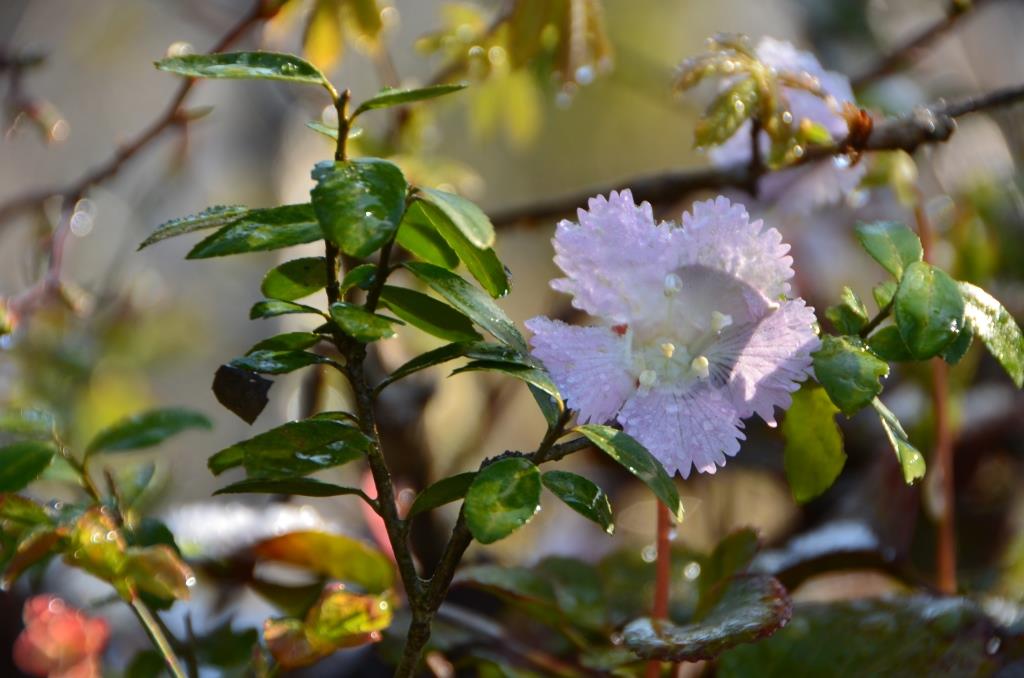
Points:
[(147, 429), (22, 512), (241, 391), (360, 324), (418, 236), (891, 244), (27, 423), (158, 571), (271, 308), (503, 497), (35, 545), (400, 97), (442, 492), (261, 230), (332, 555), (294, 449), (225, 647), (849, 372), (582, 496), (525, 373), (321, 40), (295, 279), (243, 65), (911, 461), (429, 314), (359, 203), (726, 113), (753, 607), (514, 583), (884, 292), (929, 310), (887, 344), (637, 460), (300, 487), (288, 341), (146, 664), (996, 328), (278, 362), (22, 462), (813, 455), (849, 315), (363, 20), (97, 546), (577, 588), (732, 556), (211, 217)]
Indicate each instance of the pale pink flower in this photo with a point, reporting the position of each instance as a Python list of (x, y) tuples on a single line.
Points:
[(59, 641), (696, 331), (817, 184)]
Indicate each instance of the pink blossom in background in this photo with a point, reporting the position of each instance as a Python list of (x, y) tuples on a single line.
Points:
[(696, 330), (59, 641)]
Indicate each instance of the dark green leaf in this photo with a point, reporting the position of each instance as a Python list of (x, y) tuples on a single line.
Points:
[(551, 408), (465, 216), (997, 329), (300, 487), (887, 344), (225, 647), (582, 496), (471, 301), (525, 373), (361, 276), (732, 556), (147, 429), (289, 341), (399, 97), (332, 555), (442, 492), (359, 203), (295, 279), (814, 453), (270, 308), (211, 217), (418, 236), (849, 315), (911, 461), (261, 230), (360, 324), (146, 664), (638, 461), (512, 583), (241, 391), (244, 66), (428, 314), (22, 462), (277, 362), (752, 607), (294, 449), (29, 422), (892, 245), (503, 497), (929, 310), (849, 372), (431, 358), (953, 353)]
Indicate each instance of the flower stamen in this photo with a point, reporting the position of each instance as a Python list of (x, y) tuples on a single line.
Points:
[(701, 367)]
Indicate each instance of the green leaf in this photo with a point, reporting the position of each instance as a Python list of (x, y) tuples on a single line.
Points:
[(884, 292), (849, 372), (891, 244), (22, 462), (300, 487), (29, 422), (329, 132), (953, 353), (278, 362), (261, 230), (471, 301), (294, 449), (146, 664), (241, 391), (525, 373), (887, 344), (582, 496), (359, 203), (271, 308), (332, 555), (288, 341), (399, 97), (225, 647), (431, 358), (21, 511), (911, 461), (483, 264), (244, 66), (419, 237), (146, 430), (813, 455), (752, 607), (362, 276), (849, 315), (465, 216), (997, 329), (211, 217), (442, 492), (638, 461), (158, 571), (503, 497), (732, 556), (360, 324), (295, 279), (428, 314), (727, 112), (929, 310)]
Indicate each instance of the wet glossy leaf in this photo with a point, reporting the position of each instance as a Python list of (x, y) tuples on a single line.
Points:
[(891, 244), (22, 462), (243, 65), (470, 301), (911, 461), (300, 487), (331, 555), (849, 315), (637, 460), (288, 341), (158, 571), (503, 497), (359, 203), (849, 372), (294, 449), (212, 217), (400, 97), (360, 324), (277, 362), (429, 314), (241, 391), (418, 236), (726, 113), (442, 492), (261, 230), (271, 308), (147, 429), (929, 310), (582, 496), (887, 344), (996, 328), (295, 279), (525, 373), (953, 353), (813, 455), (96, 545), (752, 607)]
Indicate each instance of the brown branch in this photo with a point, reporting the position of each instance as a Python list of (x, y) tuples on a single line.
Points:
[(925, 125)]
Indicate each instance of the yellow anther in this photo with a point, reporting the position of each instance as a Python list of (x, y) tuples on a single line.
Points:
[(648, 378), (668, 349), (701, 367)]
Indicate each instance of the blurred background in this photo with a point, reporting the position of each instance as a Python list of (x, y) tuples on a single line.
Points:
[(137, 329)]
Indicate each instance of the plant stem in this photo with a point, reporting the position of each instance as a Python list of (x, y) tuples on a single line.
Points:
[(882, 314), (152, 626), (662, 577)]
